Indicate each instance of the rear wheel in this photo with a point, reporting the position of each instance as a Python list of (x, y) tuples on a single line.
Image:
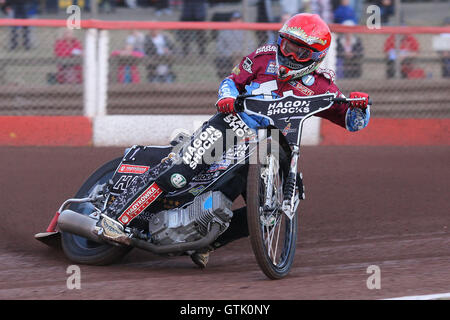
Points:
[(272, 234), (82, 250)]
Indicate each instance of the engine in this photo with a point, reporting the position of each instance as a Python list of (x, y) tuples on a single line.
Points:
[(192, 222)]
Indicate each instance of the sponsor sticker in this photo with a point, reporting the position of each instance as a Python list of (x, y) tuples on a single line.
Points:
[(123, 182), (171, 155), (238, 126), (141, 203), (195, 191), (271, 67), (128, 168), (288, 107), (178, 180), (266, 49), (288, 129), (303, 90), (203, 142), (222, 165), (204, 177), (308, 80), (237, 152), (247, 65)]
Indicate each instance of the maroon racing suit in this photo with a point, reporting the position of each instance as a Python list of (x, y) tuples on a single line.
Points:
[(257, 74)]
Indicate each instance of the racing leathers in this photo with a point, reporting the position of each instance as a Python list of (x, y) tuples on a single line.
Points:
[(257, 74)]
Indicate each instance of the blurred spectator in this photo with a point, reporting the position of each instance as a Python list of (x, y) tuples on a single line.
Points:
[(349, 54), (161, 7), (17, 9), (387, 9), (193, 10), (127, 71), (33, 9), (108, 6), (407, 52), (230, 47), (323, 9), (444, 50), (136, 40), (33, 13), (131, 4), (264, 15), (65, 47), (291, 7), (357, 8), (344, 12), (356, 5), (160, 48)]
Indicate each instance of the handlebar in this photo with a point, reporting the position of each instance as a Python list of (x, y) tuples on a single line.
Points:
[(348, 100), (239, 102)]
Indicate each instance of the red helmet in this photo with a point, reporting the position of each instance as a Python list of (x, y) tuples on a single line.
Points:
[(303, 42)]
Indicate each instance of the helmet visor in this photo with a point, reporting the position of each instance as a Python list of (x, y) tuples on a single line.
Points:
[(298, 52)]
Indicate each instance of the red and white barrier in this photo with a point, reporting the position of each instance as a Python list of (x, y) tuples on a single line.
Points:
[(45, 131), (160, 129)]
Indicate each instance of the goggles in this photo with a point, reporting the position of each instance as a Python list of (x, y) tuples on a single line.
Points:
[(298, 52)]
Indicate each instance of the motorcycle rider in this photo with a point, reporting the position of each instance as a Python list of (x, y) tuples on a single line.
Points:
[(289, 67)]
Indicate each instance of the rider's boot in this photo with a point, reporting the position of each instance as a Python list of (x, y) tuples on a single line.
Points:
[(238, 229), (201, 258)]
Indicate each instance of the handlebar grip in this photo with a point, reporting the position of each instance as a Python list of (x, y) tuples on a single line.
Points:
[(239, 104), (347, 100), (340, 100)]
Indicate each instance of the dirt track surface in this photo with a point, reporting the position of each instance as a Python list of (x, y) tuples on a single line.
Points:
[(383, 206)]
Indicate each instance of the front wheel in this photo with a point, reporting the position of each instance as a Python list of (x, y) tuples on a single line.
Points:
[(272, 234), (84, 251)]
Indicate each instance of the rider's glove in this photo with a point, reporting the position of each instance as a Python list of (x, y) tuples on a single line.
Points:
[(358, 114), (226, 105), (359, 104)]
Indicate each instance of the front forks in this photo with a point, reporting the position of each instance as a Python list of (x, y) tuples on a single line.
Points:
[(291, 199)]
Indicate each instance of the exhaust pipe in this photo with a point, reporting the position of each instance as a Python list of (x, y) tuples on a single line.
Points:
[(179, 247), (81, 225)]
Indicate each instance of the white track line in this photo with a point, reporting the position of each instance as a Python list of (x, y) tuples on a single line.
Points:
[(424, 297)]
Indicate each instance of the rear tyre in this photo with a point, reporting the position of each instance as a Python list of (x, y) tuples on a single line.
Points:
[(273, 235), (84, 251)]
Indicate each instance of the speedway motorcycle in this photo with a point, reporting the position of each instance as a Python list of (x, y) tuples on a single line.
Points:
[(263, 169)]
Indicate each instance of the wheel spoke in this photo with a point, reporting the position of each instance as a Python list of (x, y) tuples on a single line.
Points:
[(278, 236)]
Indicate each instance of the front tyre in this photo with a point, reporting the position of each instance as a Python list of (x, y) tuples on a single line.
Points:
[(273, 235), (84, 251)]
